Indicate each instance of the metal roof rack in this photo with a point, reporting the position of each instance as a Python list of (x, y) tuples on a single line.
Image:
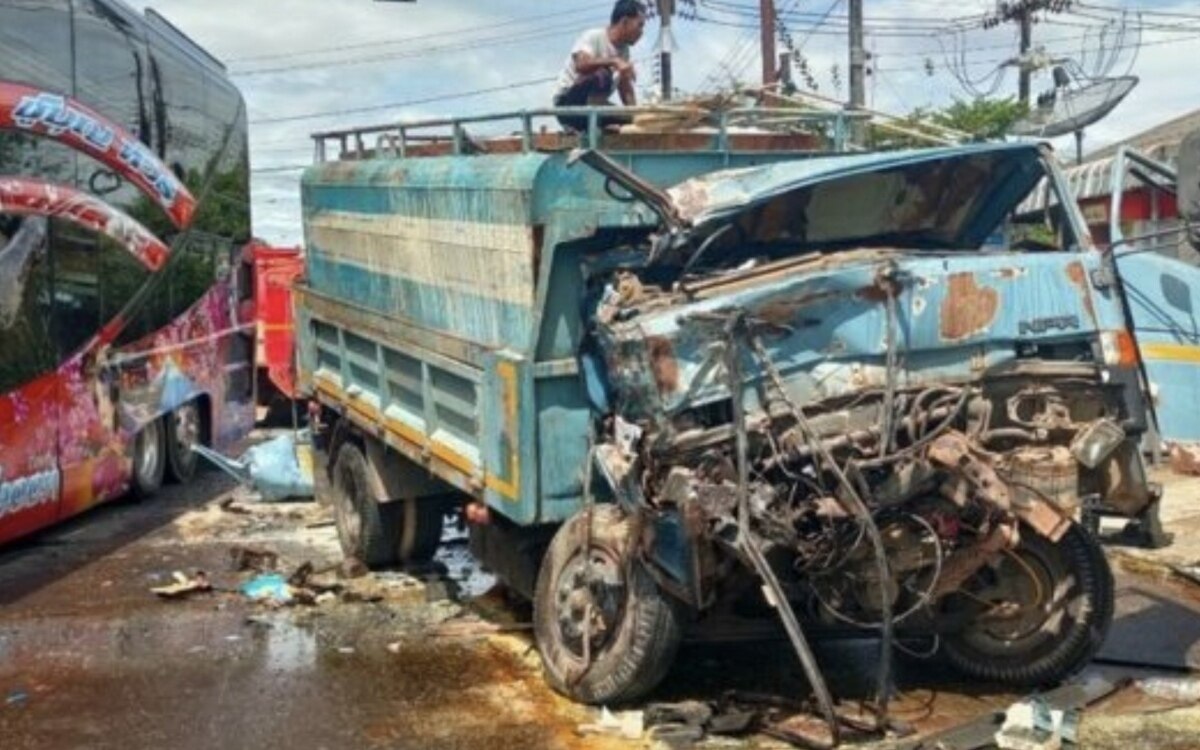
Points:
[(723, 132)]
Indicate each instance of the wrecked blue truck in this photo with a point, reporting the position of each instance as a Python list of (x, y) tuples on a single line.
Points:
[(672, 389)]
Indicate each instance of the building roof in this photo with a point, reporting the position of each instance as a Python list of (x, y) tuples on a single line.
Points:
[(1159, 142)]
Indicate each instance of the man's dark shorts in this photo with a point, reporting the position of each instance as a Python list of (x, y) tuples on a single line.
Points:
[(595, 86)]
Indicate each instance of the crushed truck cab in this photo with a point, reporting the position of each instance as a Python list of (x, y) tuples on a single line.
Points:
[(675, 386)]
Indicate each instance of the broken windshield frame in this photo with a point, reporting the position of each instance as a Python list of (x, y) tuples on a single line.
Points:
[(923, 206)]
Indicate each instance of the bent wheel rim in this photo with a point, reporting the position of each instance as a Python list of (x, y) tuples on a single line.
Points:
[(589, 600)]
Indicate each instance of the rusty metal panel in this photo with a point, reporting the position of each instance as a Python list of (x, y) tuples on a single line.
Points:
[(445, 243), (958, 316)]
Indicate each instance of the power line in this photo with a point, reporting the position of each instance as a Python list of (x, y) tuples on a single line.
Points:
[(416, 38), (459, 46), (1195, 35), (1138, 10), (406, 103), (751, 11)]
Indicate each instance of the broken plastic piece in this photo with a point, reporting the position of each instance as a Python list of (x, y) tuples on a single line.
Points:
[(278, 469), (626, 724), (1182, 689), (269, 587), (1030, 725), (184, 586)]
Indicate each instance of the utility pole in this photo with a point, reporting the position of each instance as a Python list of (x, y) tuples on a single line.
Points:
[(1021, 12), (858, 66), (666, 9), (1026, 22), (858, 57), (766, 10)]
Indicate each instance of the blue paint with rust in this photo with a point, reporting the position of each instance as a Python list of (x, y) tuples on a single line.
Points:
[(520, 344), (529, 462)]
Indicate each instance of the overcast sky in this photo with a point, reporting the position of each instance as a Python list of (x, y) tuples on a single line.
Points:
[(279, 54)]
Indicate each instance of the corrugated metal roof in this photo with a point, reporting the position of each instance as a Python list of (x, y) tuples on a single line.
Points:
[(1159, 142)]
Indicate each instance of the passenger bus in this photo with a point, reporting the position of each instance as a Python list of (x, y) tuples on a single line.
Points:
[(126, 318)]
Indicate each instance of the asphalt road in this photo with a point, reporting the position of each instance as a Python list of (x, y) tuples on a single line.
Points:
[(91, 658)]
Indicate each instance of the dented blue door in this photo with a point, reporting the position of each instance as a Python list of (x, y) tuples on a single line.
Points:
[(1162, 288)]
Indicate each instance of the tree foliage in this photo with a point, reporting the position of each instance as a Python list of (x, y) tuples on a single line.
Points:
[(985, 119), (976, 119)]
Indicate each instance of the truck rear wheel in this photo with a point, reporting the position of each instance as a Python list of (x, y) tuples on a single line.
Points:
[(420, 529), (1038, 615), (367, 530), (606, 632)]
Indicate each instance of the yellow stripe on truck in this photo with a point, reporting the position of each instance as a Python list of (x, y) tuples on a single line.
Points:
[(1172, 352)]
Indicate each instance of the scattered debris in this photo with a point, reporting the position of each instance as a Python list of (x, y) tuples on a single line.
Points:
[(278, 469), (1179, 689), (686, 712), (1185, 459), (300, 576), (629, 725), (229, 506), (1190, 572), (981, 732), (268, 587), (678, 724), (1032, 724), (246, 558), (184, 586)]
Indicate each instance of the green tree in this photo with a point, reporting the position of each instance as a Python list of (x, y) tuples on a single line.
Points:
[(977, 119), (985, 119)]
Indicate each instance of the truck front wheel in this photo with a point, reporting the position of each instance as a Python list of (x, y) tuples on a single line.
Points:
[(1038, 615), (606, 632)]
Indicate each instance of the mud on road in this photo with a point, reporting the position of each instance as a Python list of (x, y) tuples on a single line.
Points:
[(90, 658)]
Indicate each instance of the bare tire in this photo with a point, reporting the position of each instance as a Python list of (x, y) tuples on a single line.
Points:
[(606, 632), (1063, 594), (183, 430), (149, 460), (367, 530)]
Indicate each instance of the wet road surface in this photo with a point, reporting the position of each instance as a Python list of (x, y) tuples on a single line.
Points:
[(89, 658)]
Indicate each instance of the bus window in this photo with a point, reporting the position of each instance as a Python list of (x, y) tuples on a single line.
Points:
[(181, 93), (194, 273), (26, 349), (33, 156), (93, 278), (111, 77), (35, 44)]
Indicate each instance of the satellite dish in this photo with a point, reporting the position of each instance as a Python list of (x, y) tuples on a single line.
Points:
[(1073, 104)]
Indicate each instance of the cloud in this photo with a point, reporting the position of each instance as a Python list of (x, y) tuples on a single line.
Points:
[(454, 61)]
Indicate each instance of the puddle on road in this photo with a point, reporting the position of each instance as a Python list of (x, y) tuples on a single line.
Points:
[(461, 568), (357, 676)]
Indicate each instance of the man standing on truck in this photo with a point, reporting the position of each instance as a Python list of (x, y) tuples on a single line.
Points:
[(598, 62)]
